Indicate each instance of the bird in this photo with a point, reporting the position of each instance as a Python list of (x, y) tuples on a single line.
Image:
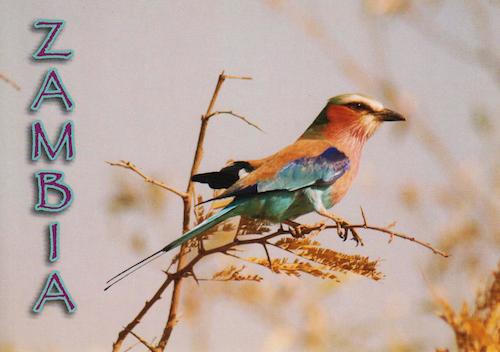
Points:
[(310, 175)]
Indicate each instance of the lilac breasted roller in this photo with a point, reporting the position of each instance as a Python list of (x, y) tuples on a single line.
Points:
[(310, 175)]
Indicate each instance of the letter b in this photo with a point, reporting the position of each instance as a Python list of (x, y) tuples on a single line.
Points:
[(52, 180)]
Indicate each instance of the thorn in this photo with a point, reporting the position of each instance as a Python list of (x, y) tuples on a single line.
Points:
[(193, 275), (391, 237), (364, 217)]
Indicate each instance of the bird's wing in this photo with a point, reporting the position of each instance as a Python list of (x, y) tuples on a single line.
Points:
[(323, 169), (302, 164)]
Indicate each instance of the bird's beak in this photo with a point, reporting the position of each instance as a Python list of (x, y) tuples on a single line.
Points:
[(389, 115)]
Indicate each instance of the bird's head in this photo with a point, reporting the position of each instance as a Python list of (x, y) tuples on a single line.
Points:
[(350, 115)]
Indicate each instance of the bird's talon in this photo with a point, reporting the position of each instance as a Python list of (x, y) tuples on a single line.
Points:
[(297, 232), (357, 238)]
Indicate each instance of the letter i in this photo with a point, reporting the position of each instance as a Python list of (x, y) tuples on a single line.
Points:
[(54, 241)]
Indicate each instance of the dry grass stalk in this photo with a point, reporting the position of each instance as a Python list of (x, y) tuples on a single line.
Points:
[(232, 273), (294, 268)]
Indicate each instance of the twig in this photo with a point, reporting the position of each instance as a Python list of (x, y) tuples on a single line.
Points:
[(363, 216), (237, 77), (344, 224), (135, 344), (128, 165), (267, 254), (403, 236), (143, 341), (243, 118), (10, 82)]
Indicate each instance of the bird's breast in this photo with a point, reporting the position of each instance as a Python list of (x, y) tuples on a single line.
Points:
[(339, 189)]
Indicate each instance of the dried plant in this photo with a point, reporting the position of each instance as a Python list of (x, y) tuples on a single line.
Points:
[(232, 273), (477, 330), (310, 257)]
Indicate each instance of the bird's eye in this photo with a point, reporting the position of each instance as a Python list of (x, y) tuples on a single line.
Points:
[(359, 106)]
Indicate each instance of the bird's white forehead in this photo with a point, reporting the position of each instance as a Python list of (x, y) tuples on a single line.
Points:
[(354, 98)]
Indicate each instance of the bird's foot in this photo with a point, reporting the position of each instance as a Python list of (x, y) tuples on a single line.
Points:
[(297, 231), (300, 230), (344, 228), (357, 238)]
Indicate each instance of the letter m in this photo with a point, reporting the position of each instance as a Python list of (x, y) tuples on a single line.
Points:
[(39, 139)]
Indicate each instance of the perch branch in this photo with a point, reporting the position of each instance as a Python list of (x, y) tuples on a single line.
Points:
[(387, 230)]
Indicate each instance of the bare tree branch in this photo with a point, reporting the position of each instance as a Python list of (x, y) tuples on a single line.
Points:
[(128, 165), (243, 118)]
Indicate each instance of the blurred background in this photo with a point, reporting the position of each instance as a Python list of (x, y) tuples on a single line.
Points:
[(143, 73)]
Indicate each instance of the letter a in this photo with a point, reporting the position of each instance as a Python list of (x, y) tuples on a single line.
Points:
[(52, 180), (58, 90), (39, 138), (44, 51), (54, 290)]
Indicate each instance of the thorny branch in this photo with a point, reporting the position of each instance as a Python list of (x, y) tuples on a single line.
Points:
[(387, 230), (185, 267)]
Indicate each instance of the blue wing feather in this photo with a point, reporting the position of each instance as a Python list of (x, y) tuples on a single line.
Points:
[(323, 169)]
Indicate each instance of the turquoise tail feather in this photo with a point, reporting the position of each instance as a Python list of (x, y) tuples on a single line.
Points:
[(225, 213), (222, 215)]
